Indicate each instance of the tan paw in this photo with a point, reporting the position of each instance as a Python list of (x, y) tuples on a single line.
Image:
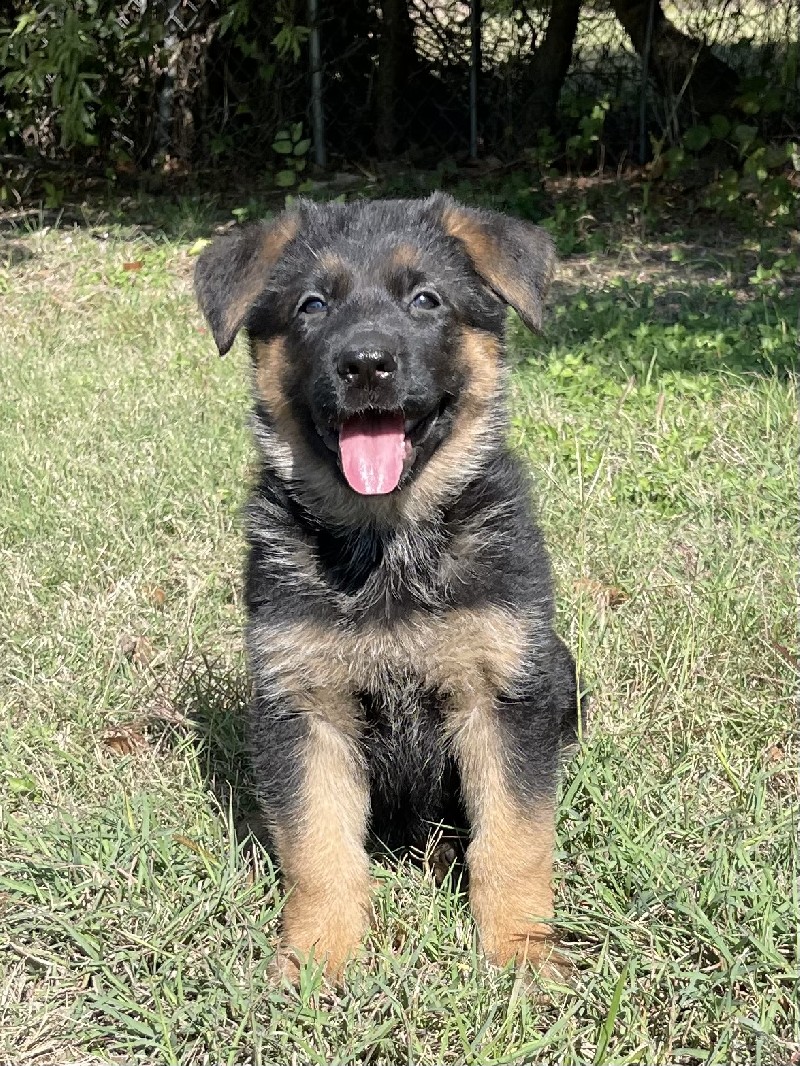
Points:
[(533, 949), (328, 947), (288, 964)]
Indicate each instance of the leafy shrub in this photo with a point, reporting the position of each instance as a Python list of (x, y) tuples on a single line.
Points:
[(758, 171), (70, 69)]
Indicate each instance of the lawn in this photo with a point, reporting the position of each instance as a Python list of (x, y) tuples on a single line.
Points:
[(138, 917)]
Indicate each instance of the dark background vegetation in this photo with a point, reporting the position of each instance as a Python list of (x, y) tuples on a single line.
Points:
[(174, 95)]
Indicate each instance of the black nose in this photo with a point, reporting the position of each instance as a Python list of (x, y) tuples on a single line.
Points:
[(366, 367)]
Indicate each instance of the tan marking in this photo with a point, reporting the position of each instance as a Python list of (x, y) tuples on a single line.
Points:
[(451, 466), (469, 655), (269, 359), (325, 867), (510, 857), (475, 429), (464, 653), (331, 263), (511, 854), (465, 227), (404, 256), (269, 367), (495, 266), (250, 284)]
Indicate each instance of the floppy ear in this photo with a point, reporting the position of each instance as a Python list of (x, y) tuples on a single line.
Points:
[(233, 272), (516, 259)]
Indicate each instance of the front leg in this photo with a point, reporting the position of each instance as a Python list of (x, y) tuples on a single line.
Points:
[(510, 804), (314, 789)]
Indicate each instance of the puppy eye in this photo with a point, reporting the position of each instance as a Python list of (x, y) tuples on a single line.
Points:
[(312, 305), (426, 301)]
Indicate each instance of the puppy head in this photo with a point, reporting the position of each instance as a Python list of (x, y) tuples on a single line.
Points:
[(376, 334)]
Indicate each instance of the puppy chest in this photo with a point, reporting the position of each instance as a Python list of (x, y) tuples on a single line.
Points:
[(462, 656)]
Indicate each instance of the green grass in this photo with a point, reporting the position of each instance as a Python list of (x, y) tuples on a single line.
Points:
[(137, 923)]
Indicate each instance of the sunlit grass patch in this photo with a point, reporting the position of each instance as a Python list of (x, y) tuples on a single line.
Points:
[(138, 922)]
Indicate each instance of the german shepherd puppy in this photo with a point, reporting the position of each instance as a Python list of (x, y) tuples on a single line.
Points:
[(400, 636)]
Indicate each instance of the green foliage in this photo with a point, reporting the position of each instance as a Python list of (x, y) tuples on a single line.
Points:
[(574, 227), (235, 18), (545, 152), (590, 115), (237, 24), (292, 148), (758, 171), (290, 38), (696, 138), (761, 181), (61, 61)]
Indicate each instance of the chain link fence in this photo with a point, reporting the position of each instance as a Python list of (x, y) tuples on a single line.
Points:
[(193, 83)]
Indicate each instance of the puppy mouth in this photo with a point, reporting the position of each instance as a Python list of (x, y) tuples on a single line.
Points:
[(375, 448)]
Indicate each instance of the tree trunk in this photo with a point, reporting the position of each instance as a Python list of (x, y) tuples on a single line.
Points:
[(550, 63), (676, 59), (395, 60)]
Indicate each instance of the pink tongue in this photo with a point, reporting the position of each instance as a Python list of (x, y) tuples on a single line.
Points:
[(372, 448)]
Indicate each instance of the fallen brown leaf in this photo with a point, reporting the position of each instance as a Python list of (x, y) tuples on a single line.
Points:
[(136, 649), (158, 597), (603, 595), (124, 740)]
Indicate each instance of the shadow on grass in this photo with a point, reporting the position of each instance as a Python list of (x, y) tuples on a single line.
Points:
[(180, 215), (212, 698), (677, 325), (703, 303)]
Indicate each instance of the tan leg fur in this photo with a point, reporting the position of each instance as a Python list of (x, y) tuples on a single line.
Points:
[(511, 854), (325, 866)]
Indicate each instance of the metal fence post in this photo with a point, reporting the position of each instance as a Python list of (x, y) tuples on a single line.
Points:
[(166, 97), (474, 73), (643, 90), (317, 110)]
